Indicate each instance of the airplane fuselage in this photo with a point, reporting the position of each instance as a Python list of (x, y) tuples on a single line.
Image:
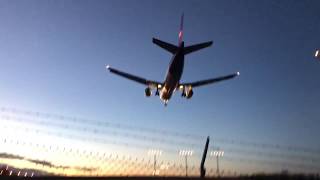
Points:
[(173, 74)]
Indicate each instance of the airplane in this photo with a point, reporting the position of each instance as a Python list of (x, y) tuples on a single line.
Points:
[(173, 75), (317, 54)]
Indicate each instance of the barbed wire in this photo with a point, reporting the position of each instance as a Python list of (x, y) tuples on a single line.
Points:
[(93, 139), (113, 161), (309, 157), (140, 146), (152, 131), (273, 163), (143, 146), (98, 156), (100, 123), (97, 131), (269, 146), (268, 155)]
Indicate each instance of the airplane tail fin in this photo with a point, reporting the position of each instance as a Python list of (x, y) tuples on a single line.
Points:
[(173, 48), (192, 48), (170, 47), (167, 46), (196, 47), (181, 30)]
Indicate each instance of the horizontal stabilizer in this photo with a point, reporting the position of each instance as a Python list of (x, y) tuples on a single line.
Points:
[(167, 46), (196, 47)]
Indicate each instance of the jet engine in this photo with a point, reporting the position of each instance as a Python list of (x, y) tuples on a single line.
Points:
[(148, 92), (189, 93)]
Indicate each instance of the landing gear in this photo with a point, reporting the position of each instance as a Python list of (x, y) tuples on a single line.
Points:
[(166, 103), (183, 94), (187, 92), (157, 92)]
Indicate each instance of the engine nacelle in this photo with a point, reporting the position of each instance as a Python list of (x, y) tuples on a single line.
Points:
[(147, 92), (189, 93)]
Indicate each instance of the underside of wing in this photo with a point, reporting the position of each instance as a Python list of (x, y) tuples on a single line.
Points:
[(149, 83), (209, 81)]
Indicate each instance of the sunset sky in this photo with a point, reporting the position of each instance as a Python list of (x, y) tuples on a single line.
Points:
[(53, 56)]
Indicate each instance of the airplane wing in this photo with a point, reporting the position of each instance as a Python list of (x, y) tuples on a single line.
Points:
[(208, 81), (149, 83)]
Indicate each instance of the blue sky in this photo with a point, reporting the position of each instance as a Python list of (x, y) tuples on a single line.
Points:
[(53, 56)]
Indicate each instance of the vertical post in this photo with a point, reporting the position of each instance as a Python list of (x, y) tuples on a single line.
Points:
[(154, 153), (218, 153), (218, 166), (154, 164), (185, 153), (202, 168), (186, 165)]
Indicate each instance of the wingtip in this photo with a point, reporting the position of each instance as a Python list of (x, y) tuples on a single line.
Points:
[(154, 39), (108, 67)]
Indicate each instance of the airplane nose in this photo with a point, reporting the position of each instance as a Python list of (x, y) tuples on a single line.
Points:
[(164, 97)]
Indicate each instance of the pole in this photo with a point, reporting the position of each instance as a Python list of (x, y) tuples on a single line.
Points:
[(154, 164), (218, 166), (186, 156), (154, 153), (202, 168)]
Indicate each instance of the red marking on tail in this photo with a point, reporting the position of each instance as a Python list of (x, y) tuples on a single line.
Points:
[(181, 29)]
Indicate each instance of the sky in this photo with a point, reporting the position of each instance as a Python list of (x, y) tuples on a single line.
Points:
[(53, 56)]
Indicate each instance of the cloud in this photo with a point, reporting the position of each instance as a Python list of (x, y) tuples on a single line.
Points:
[(11, 156), (43, 162), (85, 169)]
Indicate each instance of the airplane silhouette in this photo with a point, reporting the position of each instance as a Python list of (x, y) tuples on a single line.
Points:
[(172, 79)]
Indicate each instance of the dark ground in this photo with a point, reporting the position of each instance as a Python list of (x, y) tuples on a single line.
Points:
[(253, 177)]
